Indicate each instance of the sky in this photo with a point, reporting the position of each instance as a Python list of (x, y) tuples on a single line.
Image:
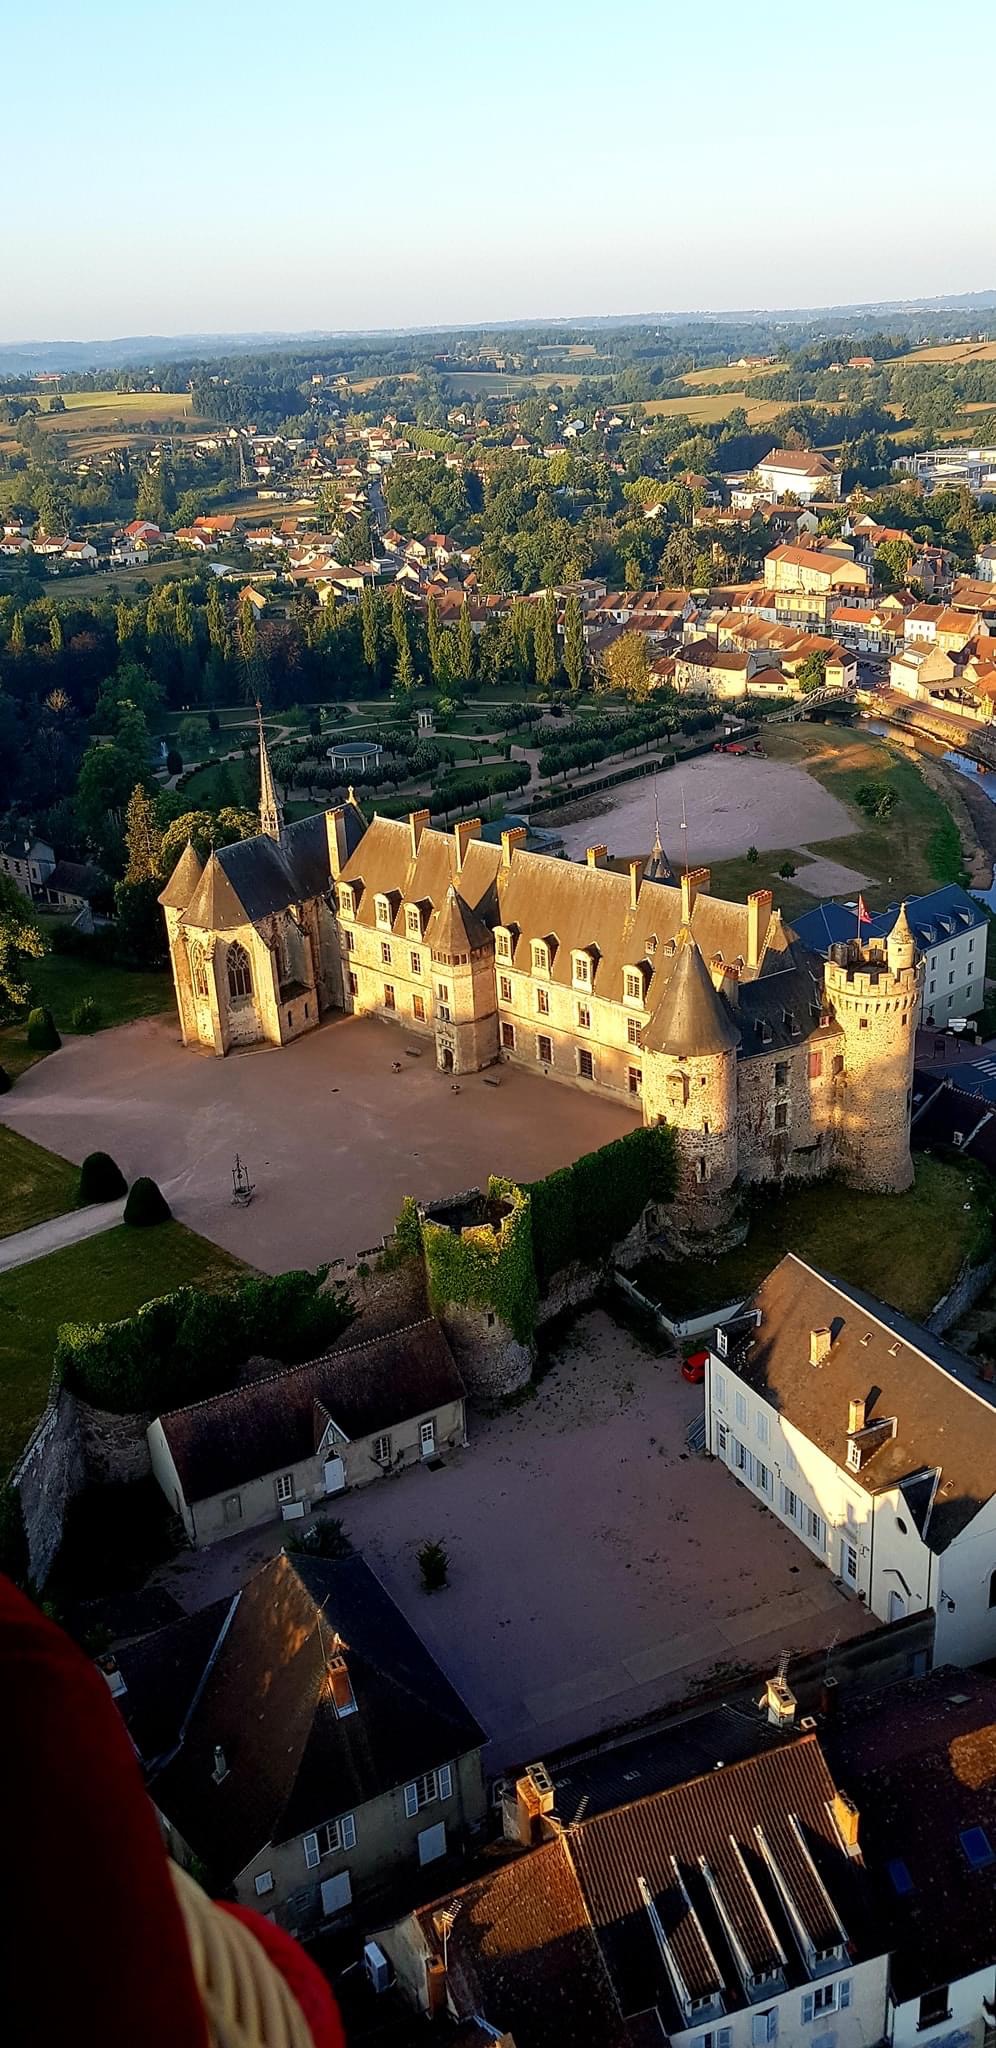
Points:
[(227, 165)]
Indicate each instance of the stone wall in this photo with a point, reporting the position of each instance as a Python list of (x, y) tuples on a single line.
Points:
[(114, 1448), (50, 1474), (492, 1362), (969, 1284)]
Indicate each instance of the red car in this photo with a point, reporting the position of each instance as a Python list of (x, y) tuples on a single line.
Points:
[(693, 1370)]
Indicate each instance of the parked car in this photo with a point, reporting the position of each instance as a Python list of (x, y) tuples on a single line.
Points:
[(693, 1369)]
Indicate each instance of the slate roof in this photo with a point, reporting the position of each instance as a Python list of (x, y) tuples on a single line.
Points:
[(256, 878), (941, 915), (183, 881), (691, 1016), (945, 1416), (269, 1424), (76, 878), (957, 1108), (264, 1698)]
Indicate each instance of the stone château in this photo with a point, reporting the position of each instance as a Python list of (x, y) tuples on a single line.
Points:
[(767, 1061)]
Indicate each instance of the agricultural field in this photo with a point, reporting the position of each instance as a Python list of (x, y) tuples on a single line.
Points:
[(951, 352), (733, 377), (715, 406), (95, 421)]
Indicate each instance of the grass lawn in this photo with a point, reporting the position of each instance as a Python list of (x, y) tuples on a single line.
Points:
[(60, 981), (95, 1281), (915, 849), (906, 1249), (34, 1184)]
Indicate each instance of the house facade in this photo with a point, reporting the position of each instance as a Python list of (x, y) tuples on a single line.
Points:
[(799, 473), (949, 927)]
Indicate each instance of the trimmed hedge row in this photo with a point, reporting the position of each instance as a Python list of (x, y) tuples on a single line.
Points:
[(581, 1211), (190, 1344)]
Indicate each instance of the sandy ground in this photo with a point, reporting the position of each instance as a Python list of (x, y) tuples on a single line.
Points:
[(598, 1571), (332, 1137), (731, 802)]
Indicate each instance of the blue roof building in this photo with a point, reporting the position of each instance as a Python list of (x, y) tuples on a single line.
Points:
[(950, 929)]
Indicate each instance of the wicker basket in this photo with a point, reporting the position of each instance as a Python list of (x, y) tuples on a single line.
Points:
[(247, 2002)]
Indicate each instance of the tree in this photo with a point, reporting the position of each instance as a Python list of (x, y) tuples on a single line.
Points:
[(810, 677), (433, 635), (626, 666), (465, 643), (544, 642), (143, 838), (55, 632), (17, 641), (573, 641), (204, 829), (20, 940), (368, 626), (141, 931)]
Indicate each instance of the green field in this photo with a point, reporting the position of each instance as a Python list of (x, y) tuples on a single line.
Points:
[(34, 1184), (907, 1249), (95, 1281), (121, 994)]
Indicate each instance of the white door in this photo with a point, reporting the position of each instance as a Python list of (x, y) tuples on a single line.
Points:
[(427, 1439), (335, 1475), (897, 1607), (337, 1893), (432, 1843)]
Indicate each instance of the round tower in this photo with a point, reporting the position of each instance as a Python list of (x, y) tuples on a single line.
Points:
[(690, 1082), (873, 990)]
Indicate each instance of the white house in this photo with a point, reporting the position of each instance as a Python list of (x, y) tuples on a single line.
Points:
[(872, 1441), (949, 927), (800, 472)]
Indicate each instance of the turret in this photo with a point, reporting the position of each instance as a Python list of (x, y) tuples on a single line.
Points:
[(466, 1008), (873, 991), (690, 1078)]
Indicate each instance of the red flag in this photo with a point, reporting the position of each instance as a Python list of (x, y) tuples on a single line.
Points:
[(864, 914)]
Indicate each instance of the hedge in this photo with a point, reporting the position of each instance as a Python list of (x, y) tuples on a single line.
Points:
[(42, 1035), (581, 1211), (190, 1344), (487, 1267), (101, 1179), (146, 1204)]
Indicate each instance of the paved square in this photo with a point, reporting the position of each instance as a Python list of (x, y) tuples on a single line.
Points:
[(597, 1570), (333, 1138)]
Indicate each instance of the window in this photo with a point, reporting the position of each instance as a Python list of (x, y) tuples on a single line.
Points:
[(763, 2027), (239, 973), (781, 1116), (350, 938), (427, 1435), (838, 1063), (385, 953), (380, 1450), (354, 986), (862, 1023), (977, 1847), (584, 1017), (503, 946), (935, 2008), (740, 1406), (781, 1073), (198, 970), (425, 1790), (762, 1478), (508, 1037), (722, 1438), (505, 988), (231, 1507), (854, 1455), (790, 1504), (719, 2038), (899, 1878), (264, 1883), (586, 1064), (413, 923), (719, 1387), (826, 1998), (815, 1065), (544, 1050), (285, 1486), (815, 1528), (416, 963), (418, 1009), (761, 1426), (543, 1002), (582, 969), (634, 1080), (330, 1840), (383, 913), (541, 961), (634, 1031), (389, 996), (633, 985)]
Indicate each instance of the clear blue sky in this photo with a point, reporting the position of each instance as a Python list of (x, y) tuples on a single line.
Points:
[(225, 164)]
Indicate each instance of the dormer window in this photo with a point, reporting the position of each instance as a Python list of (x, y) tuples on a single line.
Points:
[(347, 901), (540, 956), (581, 966), (633, 989), (413, 921), (503, 944), (382, 912)]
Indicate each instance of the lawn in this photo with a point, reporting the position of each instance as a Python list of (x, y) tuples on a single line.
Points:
[(34, 1184), (60, 981), (906, 1249), (97, 1280), (717, 405)]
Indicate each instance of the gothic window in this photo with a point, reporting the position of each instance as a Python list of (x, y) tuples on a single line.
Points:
[(239, 972), (198, 971)]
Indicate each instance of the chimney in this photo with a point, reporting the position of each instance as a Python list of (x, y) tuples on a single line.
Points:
[(510, 840), (219, 1768), (845, 1815), (693, 883), (335, 827), (463, 834), (819, 1345), (635, 874), (417, 822), (524, 1808), (758, 913), (341, 1688), (855, 1416), (596, 856)]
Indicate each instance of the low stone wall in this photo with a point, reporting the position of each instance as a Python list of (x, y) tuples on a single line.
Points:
[(677, 1328), (50, 1474), (114, 1447), (970, 1283)]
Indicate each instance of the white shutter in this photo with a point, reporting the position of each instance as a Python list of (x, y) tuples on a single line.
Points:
[(845, 1993), (411, 1801), (432, 1843), (444, 1777), (807, 2007), (347, 1832), (312, 1853), (337, 1893)]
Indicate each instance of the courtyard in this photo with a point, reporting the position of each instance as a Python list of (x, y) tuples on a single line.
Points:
[(598, 1571), (332, 1137)]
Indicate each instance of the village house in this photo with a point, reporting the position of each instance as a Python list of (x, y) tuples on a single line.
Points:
[(299, 1742), (871, 1440), (808, 583), (949, 928), (799, 473), (28, 866), (871, 629), (274, 1448), (74, 885)]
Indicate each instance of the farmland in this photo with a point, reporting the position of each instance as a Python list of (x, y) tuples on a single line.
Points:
[(95, 421)]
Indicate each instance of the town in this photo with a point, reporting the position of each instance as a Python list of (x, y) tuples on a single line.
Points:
[(498, 1209)]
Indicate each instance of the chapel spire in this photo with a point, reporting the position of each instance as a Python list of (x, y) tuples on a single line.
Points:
[(271, 817)]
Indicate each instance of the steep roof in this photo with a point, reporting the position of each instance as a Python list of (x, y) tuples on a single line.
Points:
[(215, 904), (456, 928), (933, 919), (182, 884), (269, 1424), (692, 1016), (945, 1417), (264, 1698), (804, 460)]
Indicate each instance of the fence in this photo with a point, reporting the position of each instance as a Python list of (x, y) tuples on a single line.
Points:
[(678, 1328)]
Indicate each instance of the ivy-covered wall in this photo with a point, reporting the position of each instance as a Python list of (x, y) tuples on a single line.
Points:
[(486, 1266), (581, 1211)]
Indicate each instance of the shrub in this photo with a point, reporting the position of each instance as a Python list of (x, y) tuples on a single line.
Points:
[(87, 1016), (787, 870), (434, 1565), (6, 1084), (42, 1034), (146, 1204), (101, 1179), (322, 1539), (753, 855)]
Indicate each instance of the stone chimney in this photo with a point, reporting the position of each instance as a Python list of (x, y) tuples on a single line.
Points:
[(596, 856), (340, 1687), (819, 1345), (510, 840), (694, 883), (845, 1815), (635, 874), (335, 827), (463, 834), (855, 1416), (524, 1810), (417, 822), (758, 914)]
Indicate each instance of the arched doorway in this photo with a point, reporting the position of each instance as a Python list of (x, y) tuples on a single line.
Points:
[(446, 1059)]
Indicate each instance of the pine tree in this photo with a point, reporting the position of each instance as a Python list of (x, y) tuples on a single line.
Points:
[(217, 623), (573, 641), (404, 674), (465, 642), (399, 623), (142, 837), (433, 629), (247, 631), (368, 624), (17, 639), (184, 618), (544, 644), (55, 632)]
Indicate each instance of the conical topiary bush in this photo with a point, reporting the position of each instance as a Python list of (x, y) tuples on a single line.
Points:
[(146, 1204), (101, 1179), (42, 1034)]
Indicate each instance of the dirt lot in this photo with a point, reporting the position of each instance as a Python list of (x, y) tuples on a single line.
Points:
[(332, 1137), (731, 802), (597, 1570)]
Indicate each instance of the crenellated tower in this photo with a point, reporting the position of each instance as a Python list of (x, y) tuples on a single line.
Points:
[(873, 991)]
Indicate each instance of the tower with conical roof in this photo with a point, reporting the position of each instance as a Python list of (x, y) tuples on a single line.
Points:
[(271, 817), (873, 990), (176, 899), (462, 949), (690, 1079)]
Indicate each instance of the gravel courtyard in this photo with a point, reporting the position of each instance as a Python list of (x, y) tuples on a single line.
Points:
[(597, 1570), (333, 1138), (731, 802)]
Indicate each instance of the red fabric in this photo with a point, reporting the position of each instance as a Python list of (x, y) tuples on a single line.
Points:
[(301, 1974), (96, 1947)]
